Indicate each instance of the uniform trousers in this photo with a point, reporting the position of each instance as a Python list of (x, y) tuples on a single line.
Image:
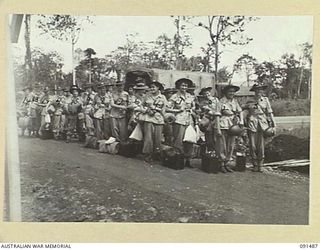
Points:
[(152, 137), (225, 146), (58, 123), (119, 128), (71, 125), (178, 135), (256, 144)]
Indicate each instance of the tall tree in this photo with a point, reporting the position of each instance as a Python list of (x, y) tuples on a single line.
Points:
[(291, 69), (28, 62), (246, 63), (305, 63), (208, 52), (224, 30), (89, 52), (161, 53), (270, 73), (65, 28), (47, 67), (181, 39)]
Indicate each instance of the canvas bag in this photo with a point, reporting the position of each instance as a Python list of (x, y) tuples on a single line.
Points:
[(137, 133), (190, 135), (102, 146), (113, 148)]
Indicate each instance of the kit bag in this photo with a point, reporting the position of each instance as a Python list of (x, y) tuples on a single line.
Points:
[(113, 148), (130, 149), (210, 163), (137, 133), (190, 135), (102, 146), (173, 158)]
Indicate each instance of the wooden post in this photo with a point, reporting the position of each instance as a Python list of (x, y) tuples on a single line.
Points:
[(12, 164)]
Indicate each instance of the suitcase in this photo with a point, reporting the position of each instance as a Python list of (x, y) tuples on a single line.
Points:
[(210, 163), (173, 159), (130, 149), (241, 163)]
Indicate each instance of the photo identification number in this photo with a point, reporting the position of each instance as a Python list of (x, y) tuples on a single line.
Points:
[(308, 245)]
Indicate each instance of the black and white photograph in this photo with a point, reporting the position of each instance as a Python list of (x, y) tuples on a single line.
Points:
[(162, 119)]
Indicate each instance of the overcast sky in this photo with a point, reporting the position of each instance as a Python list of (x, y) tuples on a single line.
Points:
[(272, 37)]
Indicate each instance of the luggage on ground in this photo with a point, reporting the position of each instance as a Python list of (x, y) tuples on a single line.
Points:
[(210, 163)]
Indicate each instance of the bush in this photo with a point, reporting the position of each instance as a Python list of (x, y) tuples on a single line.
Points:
[(286, 147), (298, 107)]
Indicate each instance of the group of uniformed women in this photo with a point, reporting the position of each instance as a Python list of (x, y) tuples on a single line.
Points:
[(162, 116)]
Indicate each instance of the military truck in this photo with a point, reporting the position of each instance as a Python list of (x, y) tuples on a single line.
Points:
[(168, 77)]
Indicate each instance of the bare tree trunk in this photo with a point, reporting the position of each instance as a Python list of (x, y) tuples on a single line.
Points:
[(28, 63), (300, 82), (216, 62), (73, 70), (309, 87)]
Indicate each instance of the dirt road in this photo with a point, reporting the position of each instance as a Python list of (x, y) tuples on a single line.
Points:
[(66, 182)]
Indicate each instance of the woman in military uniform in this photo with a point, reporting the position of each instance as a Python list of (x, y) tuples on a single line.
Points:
[(155, 105), (259, 120), (102, 106), (43, 104), (28, 108), (182, 104), (88, 98), (58, 101), (231, 114), (211, 110), (136, 107), (74, 107), (119, 103), (169, 118)]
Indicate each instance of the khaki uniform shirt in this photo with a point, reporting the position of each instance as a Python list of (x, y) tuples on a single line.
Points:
[(229, 111), (259, 111), (137, 102), (119, 99), (75, 105), (104, 104), (212, 104), (184, 103), (158, 102)]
